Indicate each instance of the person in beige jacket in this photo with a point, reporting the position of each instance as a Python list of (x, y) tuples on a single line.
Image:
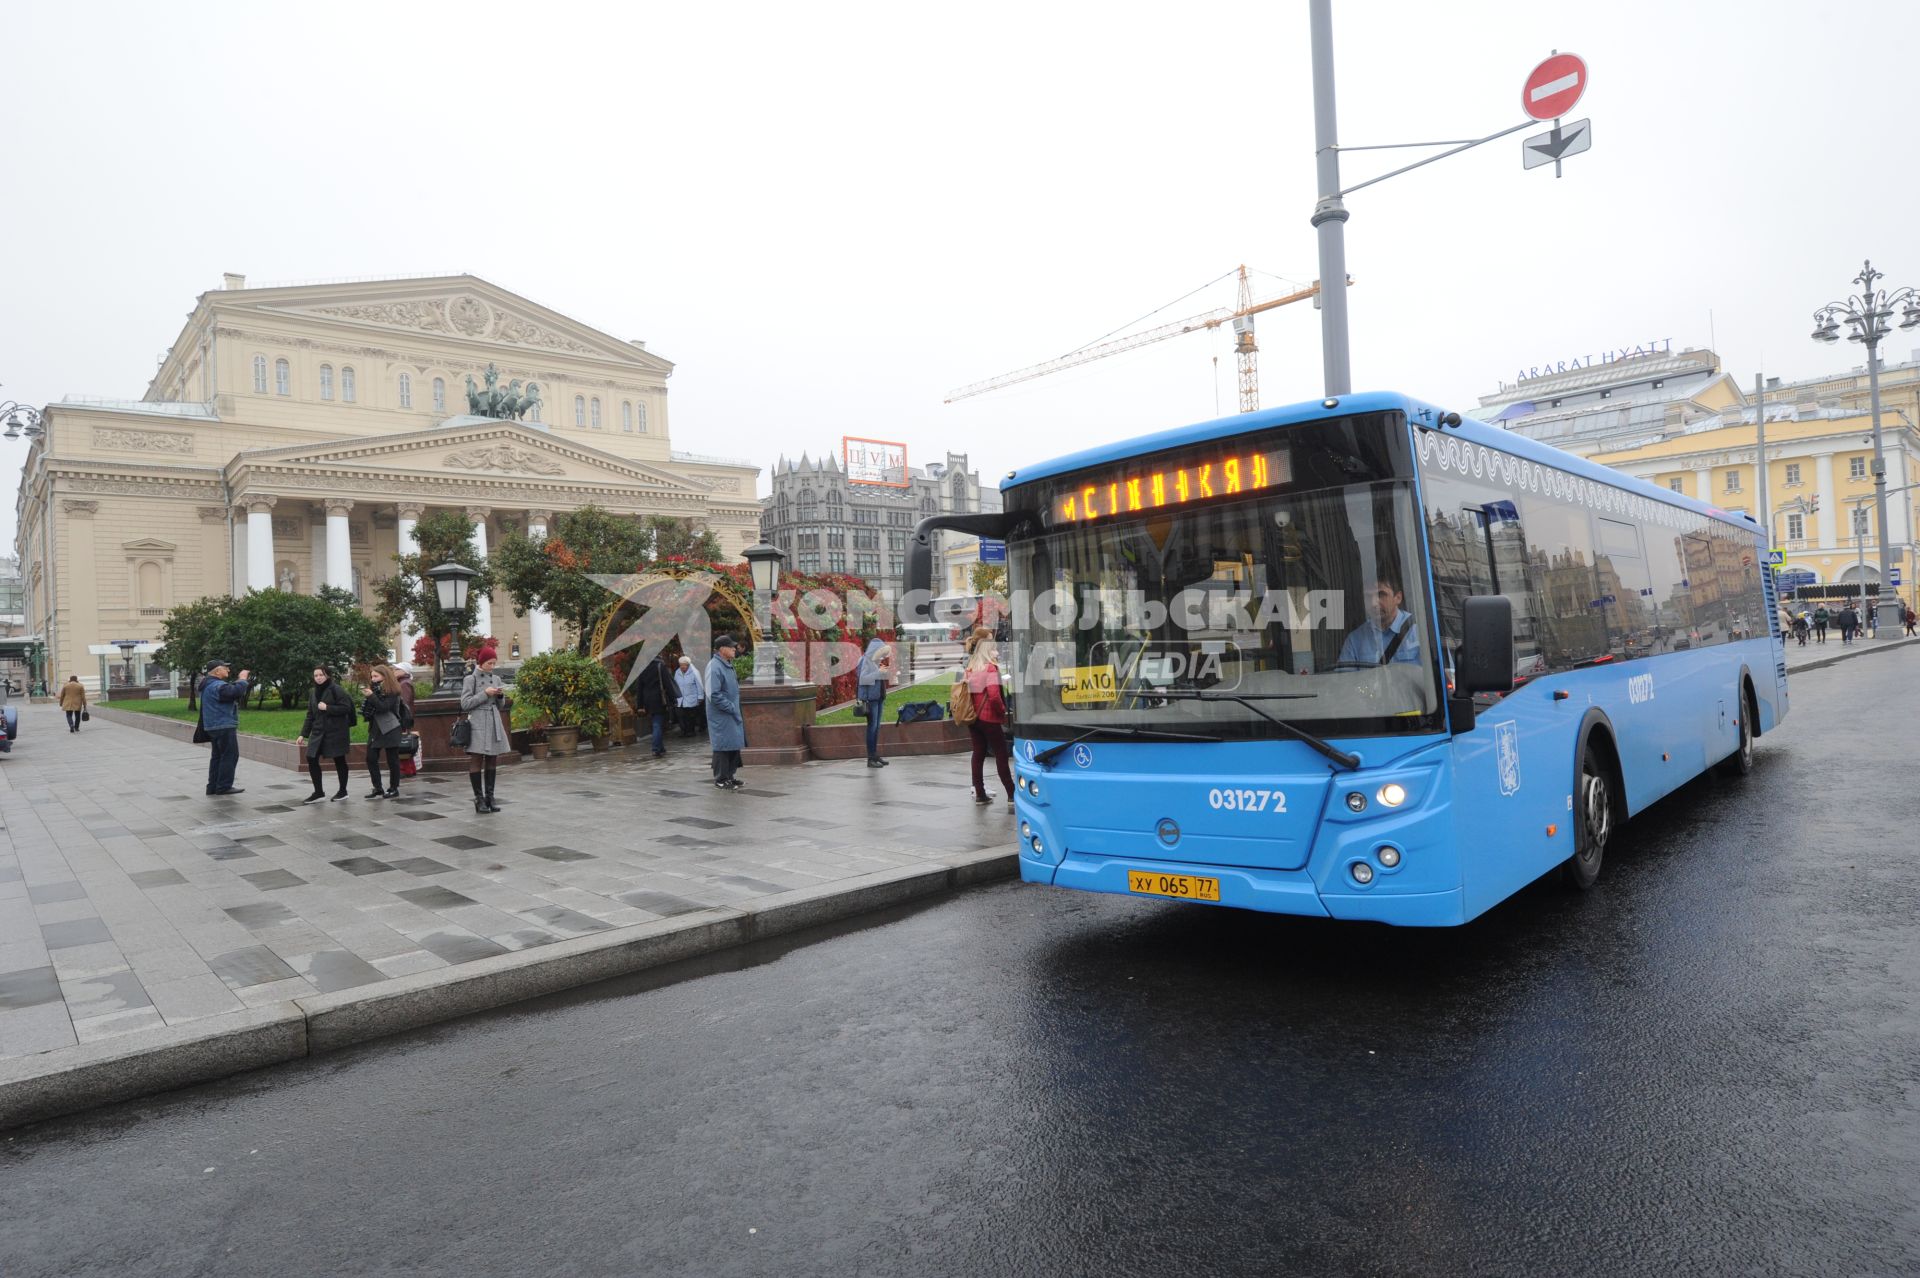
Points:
[(73, 699)]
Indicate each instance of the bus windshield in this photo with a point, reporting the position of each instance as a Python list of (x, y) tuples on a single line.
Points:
[(1305, 602)]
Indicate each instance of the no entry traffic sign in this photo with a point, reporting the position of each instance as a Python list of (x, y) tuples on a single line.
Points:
[(1554, 86)]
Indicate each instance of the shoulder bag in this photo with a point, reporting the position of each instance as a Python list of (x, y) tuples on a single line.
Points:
[(462, 734)]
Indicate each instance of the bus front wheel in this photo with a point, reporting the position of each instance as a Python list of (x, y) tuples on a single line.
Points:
[(1592, 824)]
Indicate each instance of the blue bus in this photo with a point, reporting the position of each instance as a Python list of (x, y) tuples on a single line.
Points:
[(1362, 658)]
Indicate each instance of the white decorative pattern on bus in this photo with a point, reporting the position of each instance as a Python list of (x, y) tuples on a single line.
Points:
[(1464, 457)]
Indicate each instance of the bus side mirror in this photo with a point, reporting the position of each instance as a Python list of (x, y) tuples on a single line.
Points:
[(919, 579), (1486, 650)]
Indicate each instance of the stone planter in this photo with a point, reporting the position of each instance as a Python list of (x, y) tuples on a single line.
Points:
[(777, 716), (602, 744), (563, 739), (849, 740), (538, 749)]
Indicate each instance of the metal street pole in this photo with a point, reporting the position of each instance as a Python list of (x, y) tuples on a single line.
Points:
[(1329, 212), (1760, 450), (1888, 622)]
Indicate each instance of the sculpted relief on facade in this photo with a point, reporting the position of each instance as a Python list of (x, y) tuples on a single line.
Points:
[(505, 457), (463, 314), (142, 441)]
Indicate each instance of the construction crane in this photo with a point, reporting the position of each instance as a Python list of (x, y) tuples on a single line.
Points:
[(1239, 316)]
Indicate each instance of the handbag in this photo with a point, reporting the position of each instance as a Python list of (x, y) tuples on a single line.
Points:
[(409, 745), (462, 734), (86, 715)]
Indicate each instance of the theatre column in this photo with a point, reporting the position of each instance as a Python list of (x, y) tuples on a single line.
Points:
[(539, 621), (339, 545), (483, 612), (259, 541), (409, 513)]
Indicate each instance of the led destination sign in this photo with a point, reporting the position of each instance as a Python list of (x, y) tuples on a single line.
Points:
[(1177, 481)]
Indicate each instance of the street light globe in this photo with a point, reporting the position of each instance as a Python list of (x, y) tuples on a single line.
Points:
[(763, 561), (450, 581)]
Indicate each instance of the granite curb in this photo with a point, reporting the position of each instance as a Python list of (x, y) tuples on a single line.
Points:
[(144, 1062)]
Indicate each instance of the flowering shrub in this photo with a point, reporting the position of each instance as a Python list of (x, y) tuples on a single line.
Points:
[(566, 688)]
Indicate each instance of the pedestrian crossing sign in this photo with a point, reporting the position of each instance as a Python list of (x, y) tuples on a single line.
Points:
[(1775, 558)]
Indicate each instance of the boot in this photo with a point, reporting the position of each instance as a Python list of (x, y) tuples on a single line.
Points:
[(491, 805), (479, 799)]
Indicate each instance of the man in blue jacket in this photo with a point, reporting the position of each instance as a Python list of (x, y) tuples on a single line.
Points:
[(220, 701)]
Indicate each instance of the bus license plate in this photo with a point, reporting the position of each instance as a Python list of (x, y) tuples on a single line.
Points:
[(1182, 887)]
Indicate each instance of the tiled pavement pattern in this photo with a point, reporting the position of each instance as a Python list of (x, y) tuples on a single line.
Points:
[(129, 899)]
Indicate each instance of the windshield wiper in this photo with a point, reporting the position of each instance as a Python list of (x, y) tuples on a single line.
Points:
[(1339, 756), (1046, 757)]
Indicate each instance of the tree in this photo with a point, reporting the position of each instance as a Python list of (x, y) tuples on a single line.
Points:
[(445, 536), (680, 539), (989, 579), (281, 637), (556, 575), (187, 638)]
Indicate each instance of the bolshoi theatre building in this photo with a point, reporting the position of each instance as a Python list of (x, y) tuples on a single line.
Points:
[(293, 436)]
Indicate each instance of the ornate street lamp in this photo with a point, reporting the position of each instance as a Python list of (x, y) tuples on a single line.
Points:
[(450, 581), (1868, 314), (763, 563), (21, 419)]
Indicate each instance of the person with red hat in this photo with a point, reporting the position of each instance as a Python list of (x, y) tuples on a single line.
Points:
[(484, 697)]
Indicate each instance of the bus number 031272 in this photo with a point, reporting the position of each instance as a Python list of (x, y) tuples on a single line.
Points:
[(1248, 800)]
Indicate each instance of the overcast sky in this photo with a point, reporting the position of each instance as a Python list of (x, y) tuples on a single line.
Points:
[(829, 216)]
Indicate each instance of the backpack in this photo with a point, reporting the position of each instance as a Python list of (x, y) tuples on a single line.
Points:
[(960, 701)]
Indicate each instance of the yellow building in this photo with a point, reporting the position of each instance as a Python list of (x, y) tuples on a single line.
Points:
[(1819, 477), (1676, 419), (293, 437)]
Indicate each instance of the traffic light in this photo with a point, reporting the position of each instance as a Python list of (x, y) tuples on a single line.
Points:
[(1813, 504)]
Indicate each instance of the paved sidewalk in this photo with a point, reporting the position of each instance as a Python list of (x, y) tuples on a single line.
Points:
[(130, 902), (1815, 655)]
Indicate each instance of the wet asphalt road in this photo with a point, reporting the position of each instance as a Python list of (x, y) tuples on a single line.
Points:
[(1710, 1064)]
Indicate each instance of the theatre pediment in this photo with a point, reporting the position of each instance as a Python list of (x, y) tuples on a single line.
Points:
[(496, 450), (460, 308)]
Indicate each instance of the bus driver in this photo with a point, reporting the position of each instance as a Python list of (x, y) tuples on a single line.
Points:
[(1388, 634)]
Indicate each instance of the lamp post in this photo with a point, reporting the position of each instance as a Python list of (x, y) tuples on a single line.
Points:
[(25, 419), (126, 647), (763, 562), (1867, 314), (450, 580)]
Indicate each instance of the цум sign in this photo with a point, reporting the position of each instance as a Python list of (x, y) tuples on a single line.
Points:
[(874, 461)]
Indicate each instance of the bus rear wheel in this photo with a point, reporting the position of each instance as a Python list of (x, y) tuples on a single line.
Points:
[(1592, 823), (1740, 762)]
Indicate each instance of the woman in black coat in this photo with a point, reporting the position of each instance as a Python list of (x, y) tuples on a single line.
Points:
[(388, 718), (326, 732)]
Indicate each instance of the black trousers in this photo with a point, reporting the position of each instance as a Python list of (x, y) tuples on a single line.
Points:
[(393, 765), (73, 721), (725, 762), (339, 767)]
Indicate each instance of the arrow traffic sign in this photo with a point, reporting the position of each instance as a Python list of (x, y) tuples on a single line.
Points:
[(1556, 144), (1554, 86)]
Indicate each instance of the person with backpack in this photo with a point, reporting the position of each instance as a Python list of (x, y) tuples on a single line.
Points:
[(875, 665), (388, 719), (980, 701), (1849, 622), (1821, 619), (327, 731)]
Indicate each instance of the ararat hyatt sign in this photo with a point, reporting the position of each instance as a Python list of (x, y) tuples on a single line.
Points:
[(1660, 346)]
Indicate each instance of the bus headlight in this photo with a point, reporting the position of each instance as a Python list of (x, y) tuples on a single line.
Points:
[(1387, 856), (1356, 801), (1392, 794), (1026, 831), (1038, 850), (1362, 872)]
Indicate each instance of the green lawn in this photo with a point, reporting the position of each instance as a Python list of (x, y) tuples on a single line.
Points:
[(284, 724), (934, 689)]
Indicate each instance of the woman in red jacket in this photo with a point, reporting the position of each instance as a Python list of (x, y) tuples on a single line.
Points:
[(989, 726)]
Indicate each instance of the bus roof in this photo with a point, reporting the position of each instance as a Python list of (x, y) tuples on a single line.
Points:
[(1370, 402)]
